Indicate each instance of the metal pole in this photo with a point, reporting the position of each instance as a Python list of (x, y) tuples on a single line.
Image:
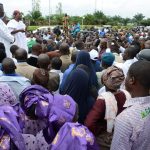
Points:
[(83, 22), (102, 5), (95, 4), (49, 14)]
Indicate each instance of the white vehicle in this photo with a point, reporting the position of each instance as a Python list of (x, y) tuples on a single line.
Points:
[(44, 28)]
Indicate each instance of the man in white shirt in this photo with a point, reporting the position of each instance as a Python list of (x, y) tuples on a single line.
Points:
[(18, 28), (128, 56), (5, 37)]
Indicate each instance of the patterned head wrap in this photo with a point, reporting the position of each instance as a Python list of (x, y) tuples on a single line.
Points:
[(112, 78)]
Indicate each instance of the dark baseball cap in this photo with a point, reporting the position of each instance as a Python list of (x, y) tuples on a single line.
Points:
[(144, 55)]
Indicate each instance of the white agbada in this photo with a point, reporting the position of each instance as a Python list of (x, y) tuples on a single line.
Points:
[(20, 37), (5, 37)]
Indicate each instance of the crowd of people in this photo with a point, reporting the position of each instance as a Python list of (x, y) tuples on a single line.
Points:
[(84, 91)]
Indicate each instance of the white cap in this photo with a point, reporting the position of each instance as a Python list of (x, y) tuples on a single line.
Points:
[(93, 54)]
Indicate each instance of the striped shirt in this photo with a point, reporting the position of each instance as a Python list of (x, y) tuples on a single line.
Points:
[(132, 127)]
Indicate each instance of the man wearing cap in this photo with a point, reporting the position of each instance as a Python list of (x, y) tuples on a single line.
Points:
[(17, 28), (94, 58), (107, 60), (5, 37), (144, 55)]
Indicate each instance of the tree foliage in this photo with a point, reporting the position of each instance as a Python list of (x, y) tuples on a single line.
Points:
[(35, 17), (97, 18), (138, 18)]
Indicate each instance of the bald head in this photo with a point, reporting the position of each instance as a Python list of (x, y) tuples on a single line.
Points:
[(43, 61), (8, 66), (64, 49), (36, 49), (21, 55)]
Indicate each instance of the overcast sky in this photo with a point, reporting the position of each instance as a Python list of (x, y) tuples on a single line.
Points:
[(124, 8)]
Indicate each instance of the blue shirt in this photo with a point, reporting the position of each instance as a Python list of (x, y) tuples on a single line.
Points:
[(65, 75)]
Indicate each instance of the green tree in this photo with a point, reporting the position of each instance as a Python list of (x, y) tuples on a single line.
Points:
[(138, 18), (125, 21), (99, 18), (89, 19), (145, 22), (56, 19), (74, 19), (35, 17)]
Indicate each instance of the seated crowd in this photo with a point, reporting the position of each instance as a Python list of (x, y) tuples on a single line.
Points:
[(83, 93)]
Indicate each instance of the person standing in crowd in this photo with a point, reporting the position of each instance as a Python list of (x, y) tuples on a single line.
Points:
[(128, 56), (109, 104), (5, 37), (23, 68), (65, 23), (18, 29), (107, 59), (82, 97), (132, 125)]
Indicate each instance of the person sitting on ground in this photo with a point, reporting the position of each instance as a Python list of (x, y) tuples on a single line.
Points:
[(36, 51), (70, 68), (30, 42), (56, 64), (132, 125), (23, 68), (31, 100), (49, 110), (79, 45), (7, 96), (13, 50), (103, 47), (41, 75), (11, 137), (16, 82), (74, 136), (65, 56)]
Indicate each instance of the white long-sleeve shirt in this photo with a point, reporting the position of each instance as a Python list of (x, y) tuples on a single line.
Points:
[(20, 37), (5, 37)]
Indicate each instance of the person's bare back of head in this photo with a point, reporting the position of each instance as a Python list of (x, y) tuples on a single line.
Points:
[(43, 61), (37, 49), (8, 66), (21, 55)]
